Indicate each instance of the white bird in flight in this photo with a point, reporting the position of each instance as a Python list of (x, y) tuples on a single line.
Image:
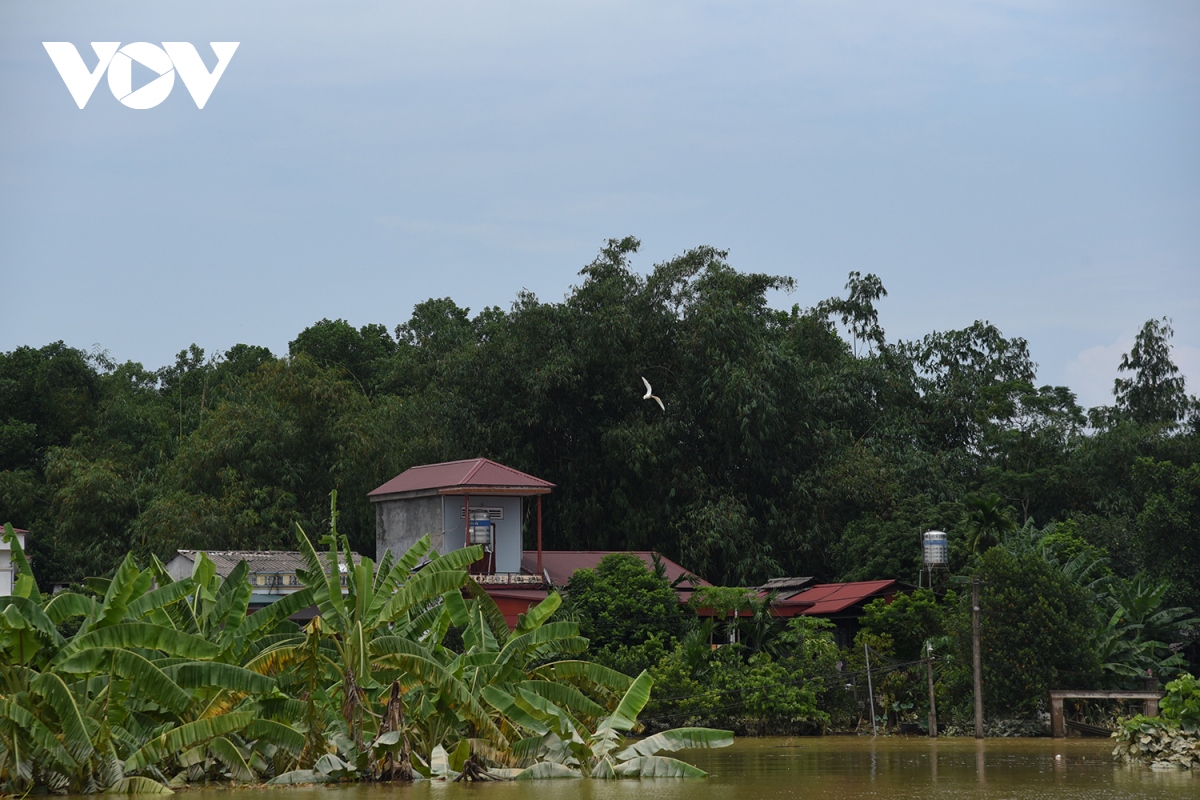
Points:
[(650, 396)]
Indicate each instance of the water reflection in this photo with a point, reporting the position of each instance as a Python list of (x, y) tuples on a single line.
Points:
[(835, 767)]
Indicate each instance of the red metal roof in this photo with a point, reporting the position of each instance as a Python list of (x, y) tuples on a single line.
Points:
[(830, 598), (462, 477), (561, 564)]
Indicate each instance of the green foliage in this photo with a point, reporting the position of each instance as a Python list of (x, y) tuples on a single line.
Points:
[(1174, 736), (363, 354), (909, 620), (795, 442), (796, 689), (888, 545), (176, 682), (1169, 525), (563, 748), (1155, 391), (1036, 632), (1137, 638), (628, 613), (1181, 704)]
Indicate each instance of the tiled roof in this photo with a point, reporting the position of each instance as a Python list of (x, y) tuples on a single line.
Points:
[(284, 562), (561, 564), (460, 477)]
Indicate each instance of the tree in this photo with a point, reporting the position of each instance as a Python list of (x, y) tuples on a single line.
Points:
[(987, 523), (910, 620), (46, 396), (129, 692), (621, 605), (1154, 393), (363, 354), (1037, 632), (1168, 526), (887, 545)]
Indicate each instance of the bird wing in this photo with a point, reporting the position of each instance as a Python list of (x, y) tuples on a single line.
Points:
[(657, 400), (648, 395)]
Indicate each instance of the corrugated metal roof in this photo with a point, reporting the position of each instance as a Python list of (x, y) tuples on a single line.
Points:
[(830, 598), (459, 477), (561, 564), (284, 562), (786, 587)]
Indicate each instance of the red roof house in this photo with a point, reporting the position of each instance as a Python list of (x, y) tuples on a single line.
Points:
[(458, 504), (842, 603), (472, 476)]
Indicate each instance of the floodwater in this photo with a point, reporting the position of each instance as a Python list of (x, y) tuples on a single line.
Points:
[(815, 768)]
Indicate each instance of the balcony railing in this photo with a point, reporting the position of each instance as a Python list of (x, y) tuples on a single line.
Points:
[(509, 579)]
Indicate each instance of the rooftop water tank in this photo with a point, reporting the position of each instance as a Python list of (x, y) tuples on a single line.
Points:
[(482, 530), (934, 549)]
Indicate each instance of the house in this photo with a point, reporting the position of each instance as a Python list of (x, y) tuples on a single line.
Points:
[(8, 575), (272, 573), (478, 501), (841, 603), (560, 565), (460, 503)]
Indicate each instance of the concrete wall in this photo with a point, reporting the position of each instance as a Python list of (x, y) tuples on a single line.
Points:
[(508, 529), (180, 567), (400, 523)]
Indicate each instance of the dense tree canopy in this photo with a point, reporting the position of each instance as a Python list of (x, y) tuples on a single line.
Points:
[(799, 441)]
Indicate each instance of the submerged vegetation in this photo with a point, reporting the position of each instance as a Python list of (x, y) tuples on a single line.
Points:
[(140, 683), (1170, 741)]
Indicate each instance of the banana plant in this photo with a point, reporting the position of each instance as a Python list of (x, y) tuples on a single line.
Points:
[(129, 692), (370, 636), (493, 656), (561, 748)]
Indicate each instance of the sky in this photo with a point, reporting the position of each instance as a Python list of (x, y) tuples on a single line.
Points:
[(1033, 164)]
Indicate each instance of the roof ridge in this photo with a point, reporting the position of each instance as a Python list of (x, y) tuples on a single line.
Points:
[(514, 469), (479, 462), (443, 463)]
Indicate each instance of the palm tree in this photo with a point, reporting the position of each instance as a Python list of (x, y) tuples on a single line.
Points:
[(987, 523)]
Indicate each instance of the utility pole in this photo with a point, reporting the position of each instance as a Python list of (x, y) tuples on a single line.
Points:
[(932, 699), (870, 691), (975, 658)]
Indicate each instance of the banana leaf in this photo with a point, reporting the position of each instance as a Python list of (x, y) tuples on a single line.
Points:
[(677, 739), (185, 736), (138, 785), (547, 770), (657, 767)]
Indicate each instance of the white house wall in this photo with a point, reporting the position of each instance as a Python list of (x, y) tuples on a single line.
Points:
[(7, 573)]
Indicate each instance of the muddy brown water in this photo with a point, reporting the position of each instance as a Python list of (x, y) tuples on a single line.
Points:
[(835, 767)]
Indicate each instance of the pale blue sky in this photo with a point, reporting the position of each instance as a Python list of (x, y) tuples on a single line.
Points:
[(1036, 164)]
